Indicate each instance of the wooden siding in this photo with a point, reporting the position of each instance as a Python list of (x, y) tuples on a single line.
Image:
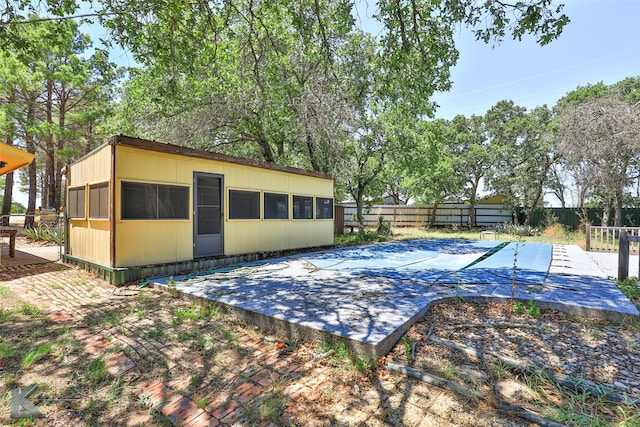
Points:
[(147, 145), (148, 242), (90, 238)]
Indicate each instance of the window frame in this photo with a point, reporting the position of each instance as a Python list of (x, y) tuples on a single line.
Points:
[(318, 211), (73, 209), (155, 206), (296, 209), (232, 215), (269, 217), (103, 196)]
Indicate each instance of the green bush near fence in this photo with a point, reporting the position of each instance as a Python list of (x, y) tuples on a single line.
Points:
[(44, 233)]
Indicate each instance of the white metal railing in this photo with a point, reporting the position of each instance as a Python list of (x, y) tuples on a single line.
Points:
[(607, 239)]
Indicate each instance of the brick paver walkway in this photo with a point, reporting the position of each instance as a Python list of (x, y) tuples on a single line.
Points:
[(258, 372)]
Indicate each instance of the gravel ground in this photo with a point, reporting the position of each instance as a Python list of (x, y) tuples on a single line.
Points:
[(590, 351)]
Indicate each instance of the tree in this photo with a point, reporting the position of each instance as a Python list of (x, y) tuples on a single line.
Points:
[(600, 138), (415, 42), (281, 80), (474, 156), (51, 87), (430, 166), (525, 154), (19, 91)]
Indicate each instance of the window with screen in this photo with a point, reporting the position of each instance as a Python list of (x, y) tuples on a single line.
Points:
[(276, 206), (154, 201), (76, 202), (99, 200), (302, 207), (324, 208), (244, 204)]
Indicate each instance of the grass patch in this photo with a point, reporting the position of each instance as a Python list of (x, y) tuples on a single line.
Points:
[(369, 236), (205, 345), (630, 288), (407, 349), (116, 389), (201, 402), (157, 334), (529, 308), (268, 409), (36, 354), (111, 318), (29, 309), (5, 315), (194, 312), (227, 334), (340, 356), (96, 372), (6, 350), (4, 292)]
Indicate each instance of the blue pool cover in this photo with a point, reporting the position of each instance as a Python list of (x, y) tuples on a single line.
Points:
[(368, 295), (441, 261)]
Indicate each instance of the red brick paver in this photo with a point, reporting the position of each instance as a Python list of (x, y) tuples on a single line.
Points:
[(73, 297)]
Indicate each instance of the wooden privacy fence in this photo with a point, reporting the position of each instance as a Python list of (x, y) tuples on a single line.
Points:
[(607, 239), (418, 216), (338, 219)]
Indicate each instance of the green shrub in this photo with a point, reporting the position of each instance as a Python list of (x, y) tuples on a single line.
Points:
[(54, 234), (384, 227), (516, 229), (630, 288)]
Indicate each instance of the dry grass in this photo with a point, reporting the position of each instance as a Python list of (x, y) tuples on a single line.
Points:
[(555, 234)]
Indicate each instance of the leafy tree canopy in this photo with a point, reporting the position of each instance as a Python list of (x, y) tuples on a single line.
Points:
[(415, 42)]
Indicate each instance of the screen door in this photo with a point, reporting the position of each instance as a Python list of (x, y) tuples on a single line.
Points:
[(207, 215)]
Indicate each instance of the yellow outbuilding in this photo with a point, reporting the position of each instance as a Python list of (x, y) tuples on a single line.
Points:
[(138, 208)]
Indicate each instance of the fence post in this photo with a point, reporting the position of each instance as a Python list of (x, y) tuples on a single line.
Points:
[(588, 233), (623, 256)]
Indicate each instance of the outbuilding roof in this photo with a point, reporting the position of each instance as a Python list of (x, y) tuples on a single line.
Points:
[(145, 144)]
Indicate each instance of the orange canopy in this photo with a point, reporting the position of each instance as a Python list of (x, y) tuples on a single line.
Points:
[(12, 158)]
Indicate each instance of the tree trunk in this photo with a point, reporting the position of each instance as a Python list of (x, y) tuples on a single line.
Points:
[(47, 184), (359, 201), (617, 219), (29, 220), (267, 151), (533, 207), (33, 189), (312, 152), (606, 211), (473, 203), (48, 191), (6, 202), (56, 198), (8, 192), (432, 217)]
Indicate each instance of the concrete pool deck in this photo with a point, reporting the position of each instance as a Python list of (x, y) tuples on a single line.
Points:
[(368, 296)]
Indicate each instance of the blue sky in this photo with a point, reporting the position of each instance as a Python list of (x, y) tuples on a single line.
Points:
[(601, 43)]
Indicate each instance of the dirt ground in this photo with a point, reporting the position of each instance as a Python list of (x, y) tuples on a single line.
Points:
[(101, 355)]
